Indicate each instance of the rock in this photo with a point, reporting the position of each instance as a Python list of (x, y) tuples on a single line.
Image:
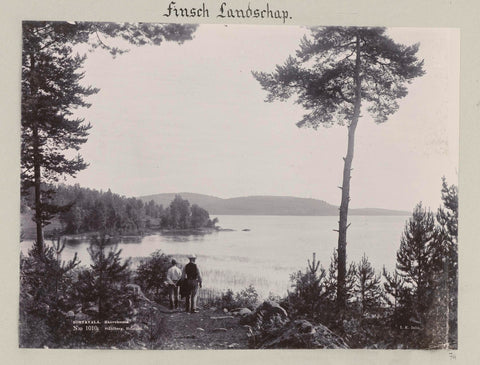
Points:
[(219, 330), (44, 307), (301, 334), (136, 291), (225, 310), (92, 311), (233, 345), (133, 288), (304, 326), (222, 317), (274, 308), (70, 314), (266, 312), (80, 316), (78, 308), (242, 312)]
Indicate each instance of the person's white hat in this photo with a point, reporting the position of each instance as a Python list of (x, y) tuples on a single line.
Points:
[(192, 256)]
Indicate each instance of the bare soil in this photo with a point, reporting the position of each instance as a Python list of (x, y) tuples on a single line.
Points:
[(208, 329)]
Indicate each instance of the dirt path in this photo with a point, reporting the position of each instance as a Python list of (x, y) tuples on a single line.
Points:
[(207, 329)]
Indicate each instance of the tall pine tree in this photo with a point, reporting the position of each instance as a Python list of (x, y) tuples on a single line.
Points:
[(335, 70), (52, 89), (446, 261), (415, 260)]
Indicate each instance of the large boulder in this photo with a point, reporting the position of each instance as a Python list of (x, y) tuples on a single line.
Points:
[(301, 334), (268, 311), (135, 291), (242, 312), (92, 310)]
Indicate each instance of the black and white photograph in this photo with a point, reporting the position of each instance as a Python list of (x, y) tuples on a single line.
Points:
[(236, 186)]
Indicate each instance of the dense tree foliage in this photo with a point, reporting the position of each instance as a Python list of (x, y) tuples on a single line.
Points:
[(335, 71), (151, 274), (46, 284), (414, 259), (180, 215), (415, 306), (90, 210), (447, 254), (52, 291), (367, 289), (310, 292), (313, 295), (52, 90)]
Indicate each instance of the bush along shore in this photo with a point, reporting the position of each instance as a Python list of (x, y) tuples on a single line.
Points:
[(111, 305)]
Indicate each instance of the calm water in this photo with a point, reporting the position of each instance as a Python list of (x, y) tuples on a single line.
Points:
[(272, 249)]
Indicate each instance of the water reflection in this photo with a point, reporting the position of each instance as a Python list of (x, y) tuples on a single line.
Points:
[(183, 237), (73, 241), (130, 239), (77, 242)]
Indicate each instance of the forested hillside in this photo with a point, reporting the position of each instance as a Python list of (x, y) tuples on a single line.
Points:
[(83, 210), (266, 205)]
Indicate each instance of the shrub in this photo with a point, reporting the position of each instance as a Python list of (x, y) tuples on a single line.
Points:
[(367, 289), (151, 274), (107, 278), (246, 298), (45, 296)]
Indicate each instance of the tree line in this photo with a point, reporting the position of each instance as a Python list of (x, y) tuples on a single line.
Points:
[(89, 210), (52, 90)]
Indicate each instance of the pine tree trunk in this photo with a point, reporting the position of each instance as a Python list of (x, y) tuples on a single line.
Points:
[(446, 343), (36, 165), (38, 192), (342, 224)]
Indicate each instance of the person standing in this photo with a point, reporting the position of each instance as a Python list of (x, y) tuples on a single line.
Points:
[(173, 276), (193, 281)]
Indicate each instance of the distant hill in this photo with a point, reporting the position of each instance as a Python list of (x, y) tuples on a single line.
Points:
[(264, 205)]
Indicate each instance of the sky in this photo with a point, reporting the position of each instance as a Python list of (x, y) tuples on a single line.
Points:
[(191, 118)]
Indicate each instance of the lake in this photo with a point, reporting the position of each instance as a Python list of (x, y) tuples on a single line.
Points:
[(268, 252)]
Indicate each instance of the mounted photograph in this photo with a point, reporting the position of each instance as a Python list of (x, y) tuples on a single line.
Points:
[(224, 186)]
